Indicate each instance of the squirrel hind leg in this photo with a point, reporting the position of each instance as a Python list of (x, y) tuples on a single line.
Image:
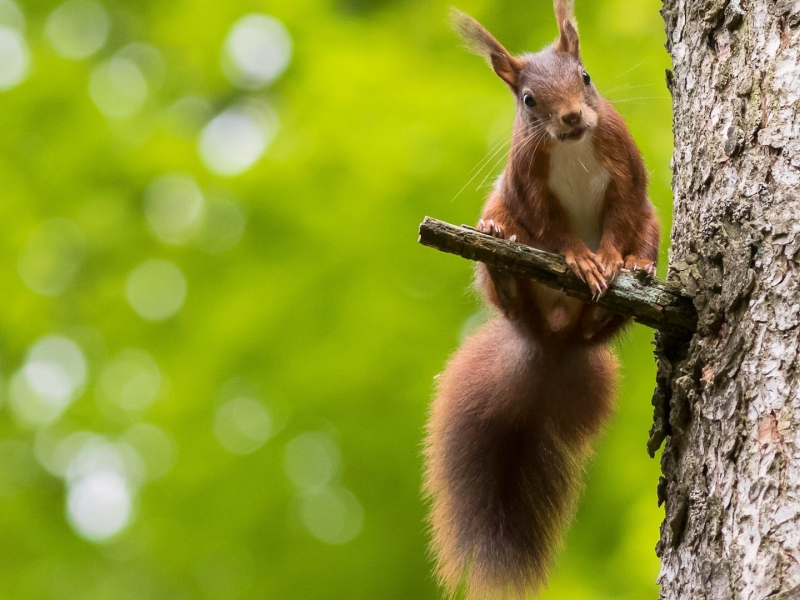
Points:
[(598, 324), (593, 320), (560, 312), (502, 290)]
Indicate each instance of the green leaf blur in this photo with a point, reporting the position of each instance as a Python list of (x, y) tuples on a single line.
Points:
[(285, 392)]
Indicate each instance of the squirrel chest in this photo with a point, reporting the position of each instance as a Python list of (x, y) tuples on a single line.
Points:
[(579, 183)]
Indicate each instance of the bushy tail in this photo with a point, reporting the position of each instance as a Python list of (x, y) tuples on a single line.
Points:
[(507, 441)]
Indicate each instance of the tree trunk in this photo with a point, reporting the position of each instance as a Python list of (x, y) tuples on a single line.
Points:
[(727, 402)]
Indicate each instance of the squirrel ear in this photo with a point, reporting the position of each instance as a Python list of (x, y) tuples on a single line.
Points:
[(483, 43), (568, 33), (507, 68), (568, 41)]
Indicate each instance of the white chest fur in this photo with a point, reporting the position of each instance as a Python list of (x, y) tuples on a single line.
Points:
[(579, 183)]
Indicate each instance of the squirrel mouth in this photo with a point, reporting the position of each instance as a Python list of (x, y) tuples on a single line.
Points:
[(573, 135)]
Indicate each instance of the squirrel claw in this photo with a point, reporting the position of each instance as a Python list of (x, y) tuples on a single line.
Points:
[(600, 289), (493, 229), (640, 265)]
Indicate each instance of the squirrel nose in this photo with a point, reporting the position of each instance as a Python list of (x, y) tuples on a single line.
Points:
[(573, 118)]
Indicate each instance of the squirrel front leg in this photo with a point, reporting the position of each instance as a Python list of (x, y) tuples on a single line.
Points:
[(618, 227), (502, 289), (629, 229), (630, 239), (559, 237), (644, 253)]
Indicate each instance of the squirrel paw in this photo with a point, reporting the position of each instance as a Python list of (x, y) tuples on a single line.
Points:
[(611, 264), (589, 269), (643, 265), (495, 230)]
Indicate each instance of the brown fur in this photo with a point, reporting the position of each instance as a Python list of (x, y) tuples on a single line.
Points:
[(507, 439), (519, 403), (567, 29)]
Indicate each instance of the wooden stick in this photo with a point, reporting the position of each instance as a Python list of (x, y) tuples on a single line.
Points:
[(658, 304)]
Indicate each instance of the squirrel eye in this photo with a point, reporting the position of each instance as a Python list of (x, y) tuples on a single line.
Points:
[(586, 79), (528, 100)]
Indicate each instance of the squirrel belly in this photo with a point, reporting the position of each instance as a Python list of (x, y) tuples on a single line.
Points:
[(507, 440), (579, 183)]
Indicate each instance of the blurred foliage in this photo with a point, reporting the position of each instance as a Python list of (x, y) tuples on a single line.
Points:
[(324, 325)]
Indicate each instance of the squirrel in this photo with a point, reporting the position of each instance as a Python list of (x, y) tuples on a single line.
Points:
[(519, 403)]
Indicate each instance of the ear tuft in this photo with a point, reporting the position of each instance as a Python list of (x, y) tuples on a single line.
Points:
[(483, 43), (568, 40), (468, 29)]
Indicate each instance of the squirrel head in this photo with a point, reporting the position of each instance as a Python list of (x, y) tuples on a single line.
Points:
[(553, 91)]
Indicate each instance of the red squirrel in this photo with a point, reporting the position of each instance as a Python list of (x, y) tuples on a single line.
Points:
[(519, 403)]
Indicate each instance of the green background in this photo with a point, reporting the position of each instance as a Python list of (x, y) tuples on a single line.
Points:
[(328, 308)]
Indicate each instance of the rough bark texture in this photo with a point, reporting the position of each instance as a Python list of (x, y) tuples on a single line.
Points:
[(648, 301), (728, 400)]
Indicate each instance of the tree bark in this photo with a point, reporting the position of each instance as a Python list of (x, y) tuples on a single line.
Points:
[(727, 402)]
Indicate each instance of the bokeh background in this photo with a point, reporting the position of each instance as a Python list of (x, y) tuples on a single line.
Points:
[(218, 333)]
